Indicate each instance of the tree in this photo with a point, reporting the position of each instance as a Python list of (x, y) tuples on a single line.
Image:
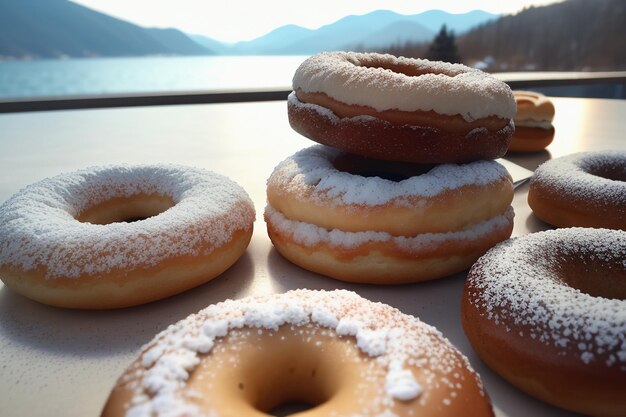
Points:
[(443, 47)]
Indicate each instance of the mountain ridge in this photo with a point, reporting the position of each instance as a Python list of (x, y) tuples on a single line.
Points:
[(367, 31), (61, 28)]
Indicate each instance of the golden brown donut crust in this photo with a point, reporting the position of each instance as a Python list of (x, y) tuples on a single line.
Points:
[(395, 138), (251, 370), (545, 361), (121, 288), (299, 371), (565, 205), (539, 370), (568, 212), (386, 262), (531, 139), (463, 207), (95, 242)]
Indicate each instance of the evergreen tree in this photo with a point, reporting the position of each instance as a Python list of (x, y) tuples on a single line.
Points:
[(443, 47)]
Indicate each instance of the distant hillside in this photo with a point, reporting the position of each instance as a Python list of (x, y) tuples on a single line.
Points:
[(574, 35), (57, 28), (371, 31)]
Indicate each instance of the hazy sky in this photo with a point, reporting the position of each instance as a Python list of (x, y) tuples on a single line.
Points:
[(236, 20)]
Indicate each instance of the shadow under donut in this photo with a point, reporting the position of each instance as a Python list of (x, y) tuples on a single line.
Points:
[(100, 333)]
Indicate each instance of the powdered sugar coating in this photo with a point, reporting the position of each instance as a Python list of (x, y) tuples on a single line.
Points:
[(364, 79), (519, 282), (392, 339), (572, 177), (38, 228), (310, 174), (310, 235)]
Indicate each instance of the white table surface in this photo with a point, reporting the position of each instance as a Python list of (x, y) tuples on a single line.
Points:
[(57, 362)]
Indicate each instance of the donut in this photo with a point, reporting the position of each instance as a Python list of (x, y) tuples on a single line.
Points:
[(344, 355), (533, 122), (586, 189), (547, 311), (401, 109), (331, 212), (121, 235)]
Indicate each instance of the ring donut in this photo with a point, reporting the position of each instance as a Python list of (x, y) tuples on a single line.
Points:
[(547, 311), (586, 189), (401, 109), (330, 212), (117, 236), (344, 355), (533, 122)]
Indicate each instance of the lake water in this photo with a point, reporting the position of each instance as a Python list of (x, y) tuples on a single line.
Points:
[(19, 79)]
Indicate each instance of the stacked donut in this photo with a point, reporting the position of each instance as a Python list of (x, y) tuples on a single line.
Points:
[(403, 187)]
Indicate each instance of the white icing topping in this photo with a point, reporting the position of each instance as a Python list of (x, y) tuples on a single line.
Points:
[(542, 124), (518, 281), (310, 174), (400, 383), (362, 79), (307, 234), (571, 175), (391, 338), (38, 226)]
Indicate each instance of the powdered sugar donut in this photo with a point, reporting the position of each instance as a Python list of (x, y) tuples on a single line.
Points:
[(584, 189), (547, 311), (401, 109), (533, 122), (328, 213), (116, 236), (335, 350)]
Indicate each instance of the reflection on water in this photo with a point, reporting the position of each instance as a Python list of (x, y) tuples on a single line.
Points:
[(144, 74)]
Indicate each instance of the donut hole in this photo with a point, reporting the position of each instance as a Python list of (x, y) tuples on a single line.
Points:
[(598, 278), (261, 373), (290, 408), (400, 68), (126, 209), (368, 167), (294, 373), (610, 172)]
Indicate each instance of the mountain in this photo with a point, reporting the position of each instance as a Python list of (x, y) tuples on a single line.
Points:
[(272, 42), (211, 44), (57, 28), (398, 33), (457, 22), (177, 42), (370, 31), (61, 28)]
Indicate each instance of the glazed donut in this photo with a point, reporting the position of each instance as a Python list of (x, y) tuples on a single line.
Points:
[(547, 311), (344, 355), (401, 109), (586, 189), (117, 236), (533, 122), (327, 213)]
